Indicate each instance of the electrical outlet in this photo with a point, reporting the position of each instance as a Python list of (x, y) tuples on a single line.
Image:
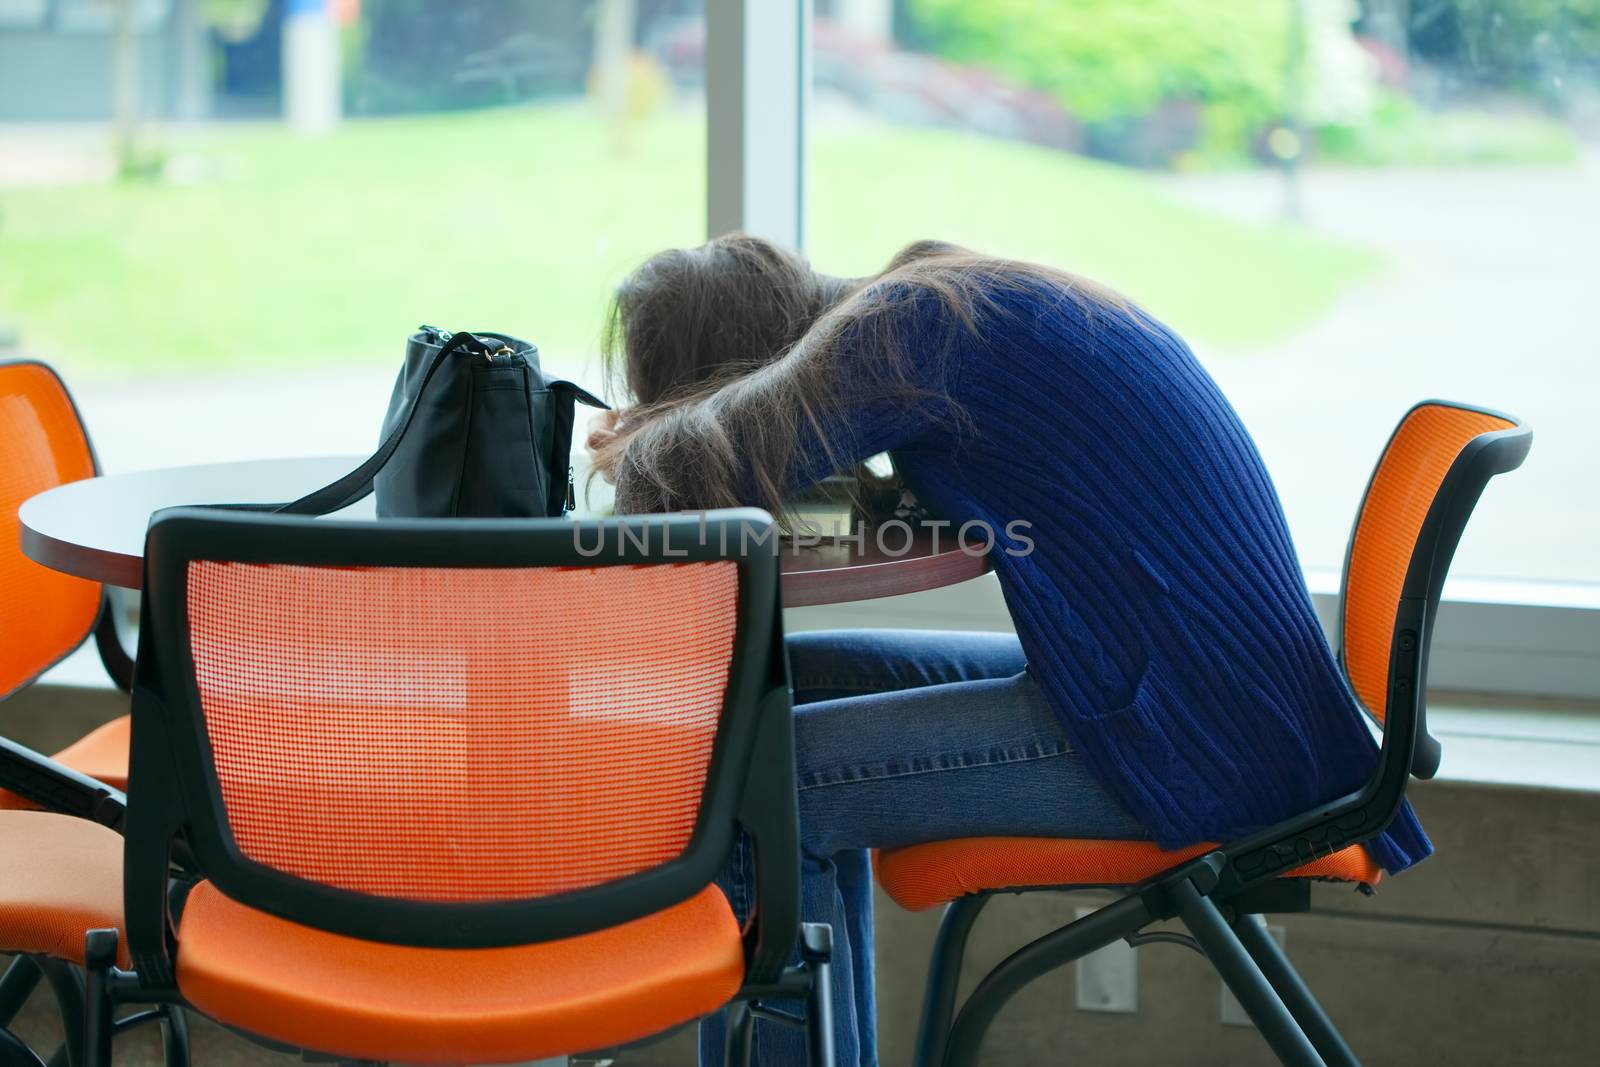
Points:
[(1108, 979)]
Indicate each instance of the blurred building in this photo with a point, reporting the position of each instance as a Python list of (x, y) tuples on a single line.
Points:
[(198, 61), (56, 58)]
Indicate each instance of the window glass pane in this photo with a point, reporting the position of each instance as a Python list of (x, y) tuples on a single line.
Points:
[(16, 13), (310, 180), (1345, 207)]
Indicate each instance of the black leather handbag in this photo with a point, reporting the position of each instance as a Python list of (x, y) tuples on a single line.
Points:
[(474, 429)]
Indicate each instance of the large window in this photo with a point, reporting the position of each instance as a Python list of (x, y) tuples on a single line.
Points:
[(233, 266), (1345, 207), (221, 218)]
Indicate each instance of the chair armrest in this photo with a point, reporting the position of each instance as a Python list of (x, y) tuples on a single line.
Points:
[(56, 787)]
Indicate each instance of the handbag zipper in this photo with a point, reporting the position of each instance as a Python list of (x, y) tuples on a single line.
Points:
[(441, 337), (572, 492)]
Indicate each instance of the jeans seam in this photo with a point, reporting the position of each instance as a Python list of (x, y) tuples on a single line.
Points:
[(941, 764), (852, 685)]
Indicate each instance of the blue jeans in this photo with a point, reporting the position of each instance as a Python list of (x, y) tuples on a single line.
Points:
[(901, 737)]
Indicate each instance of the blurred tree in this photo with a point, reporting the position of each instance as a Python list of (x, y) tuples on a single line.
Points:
[(626, 82), (1106, 59), (1113, 63), (125, 92), (609, 74)]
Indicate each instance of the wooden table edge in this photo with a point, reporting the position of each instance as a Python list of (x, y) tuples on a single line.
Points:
[(800, 588), (90, 564)]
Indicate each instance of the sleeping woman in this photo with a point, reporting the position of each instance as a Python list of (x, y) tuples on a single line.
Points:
[(1168, 679)]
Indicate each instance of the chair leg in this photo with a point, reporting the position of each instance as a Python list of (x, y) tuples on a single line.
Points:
[(100, 956), (1244, 977), (1111, 923), (944, 976), (816, 949), (175, 1037), (67, 985), (16, 986), (174, 1028), (1252, 933), (13, 1053), (740, 1031)]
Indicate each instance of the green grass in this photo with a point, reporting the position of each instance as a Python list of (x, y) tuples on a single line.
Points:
[(1221, 281), (289, 253), (1402, 134)]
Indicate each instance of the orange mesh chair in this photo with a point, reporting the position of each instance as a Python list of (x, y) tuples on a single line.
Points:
[(1423, 490), (46, 615), (58, 877), (456, 791)]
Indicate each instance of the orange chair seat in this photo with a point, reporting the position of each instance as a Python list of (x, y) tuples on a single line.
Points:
[(102, 752), (60, 877), (364, 1000), (919, 877)]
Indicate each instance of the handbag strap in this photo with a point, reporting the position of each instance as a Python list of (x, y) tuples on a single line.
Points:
[(358, 483)]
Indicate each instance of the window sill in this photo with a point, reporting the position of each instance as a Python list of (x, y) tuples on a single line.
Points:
[(1539, 744)]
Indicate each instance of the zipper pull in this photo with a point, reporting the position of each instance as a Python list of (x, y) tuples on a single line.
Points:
[(572, 492)]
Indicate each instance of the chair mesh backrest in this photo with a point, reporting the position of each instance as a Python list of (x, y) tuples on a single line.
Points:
[(1403, 488), (44, 614), (452, 734)]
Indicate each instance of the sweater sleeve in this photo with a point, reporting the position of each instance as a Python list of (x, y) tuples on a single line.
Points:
[(866, 401)]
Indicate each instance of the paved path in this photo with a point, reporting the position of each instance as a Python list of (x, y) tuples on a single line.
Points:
[(1491, 297), (138, 425)]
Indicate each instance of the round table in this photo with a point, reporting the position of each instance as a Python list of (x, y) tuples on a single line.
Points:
[(95, 529)]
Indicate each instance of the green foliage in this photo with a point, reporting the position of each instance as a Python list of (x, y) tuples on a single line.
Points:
[(1117, 63), (1402, 133), (1111, 61)]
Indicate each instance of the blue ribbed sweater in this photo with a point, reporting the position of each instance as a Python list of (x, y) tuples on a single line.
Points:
[(1162, 608)]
